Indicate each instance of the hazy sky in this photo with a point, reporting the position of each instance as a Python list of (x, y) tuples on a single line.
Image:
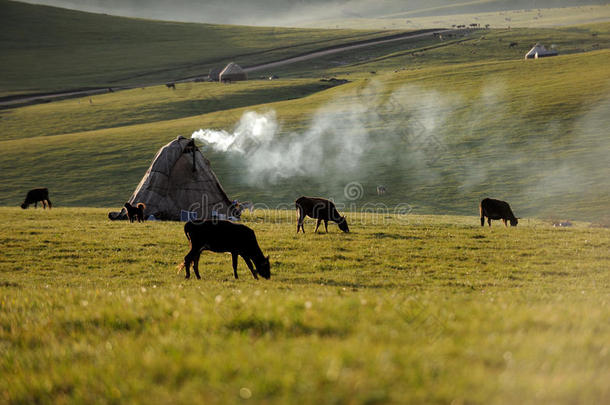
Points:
[(295, 12)]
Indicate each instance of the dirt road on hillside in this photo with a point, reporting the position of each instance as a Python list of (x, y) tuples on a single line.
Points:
[(16, 101), (342, 48)]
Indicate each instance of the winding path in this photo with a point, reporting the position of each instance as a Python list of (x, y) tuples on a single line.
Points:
[(16, 101)]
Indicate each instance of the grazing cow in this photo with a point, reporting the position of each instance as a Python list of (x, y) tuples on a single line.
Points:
[(35, 195), (171, 85), (136, 212), (381, 190), (224, 236), (320, 209), (496, 209)]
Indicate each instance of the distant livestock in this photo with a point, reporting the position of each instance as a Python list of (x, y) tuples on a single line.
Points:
[(135, 213), (381, 190), (35, 195), (170, 85), (320, 209), (224, 236), (496, 209)]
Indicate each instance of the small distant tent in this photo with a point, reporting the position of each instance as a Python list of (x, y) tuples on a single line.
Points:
[(539, 51), (180, 180), (232, 73)]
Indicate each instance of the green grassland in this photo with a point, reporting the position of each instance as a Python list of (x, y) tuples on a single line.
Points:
[(404, 309), (48, 49), (424, 309), (508, 15), (546, 115)]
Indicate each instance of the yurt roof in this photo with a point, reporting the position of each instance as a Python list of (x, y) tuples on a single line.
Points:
[(232, 68)]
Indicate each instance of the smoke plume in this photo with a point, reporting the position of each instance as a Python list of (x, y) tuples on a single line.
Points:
[(429, 145)]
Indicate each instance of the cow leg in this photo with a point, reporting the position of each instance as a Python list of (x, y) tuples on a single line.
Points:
[(249, 263), (44, 204), (187, 264), (317, 225), (49, 202), (35, 204), (192, 257), (326, 225), (196, 266), (234, 256), (504, 220), (482, 221), (300, 218), (489, 221)]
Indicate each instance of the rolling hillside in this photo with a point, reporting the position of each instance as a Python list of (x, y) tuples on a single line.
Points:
[(416, 304), (47, 49), (316, 12), (440, 122)]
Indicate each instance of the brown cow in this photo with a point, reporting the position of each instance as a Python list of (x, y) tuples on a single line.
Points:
[(35, 195), (320, 209), (496, 209)]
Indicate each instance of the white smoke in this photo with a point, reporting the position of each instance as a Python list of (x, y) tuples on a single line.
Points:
[(253, 129), (334, 143), (417, 139), (341, 138)]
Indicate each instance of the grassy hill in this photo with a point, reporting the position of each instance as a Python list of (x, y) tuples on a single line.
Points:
[(406, 308), (544, 120), (426, 309), (441, 123), (48, 49), (321, 12)]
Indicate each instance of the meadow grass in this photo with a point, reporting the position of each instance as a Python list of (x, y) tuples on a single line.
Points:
[(50, 49), (148, 106), (543, 115), (425, 309), (508, 14)]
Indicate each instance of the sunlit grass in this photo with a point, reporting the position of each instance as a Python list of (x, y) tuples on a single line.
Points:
[(402, 309), (532, 123)]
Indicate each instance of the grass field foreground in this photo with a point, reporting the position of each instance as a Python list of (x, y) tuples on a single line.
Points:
[(428, 309)]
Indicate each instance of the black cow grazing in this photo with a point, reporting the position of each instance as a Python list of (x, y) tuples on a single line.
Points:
[(496, 209), (320, 209), (136, 212), (171, 85), (35, 195), (224, 236)]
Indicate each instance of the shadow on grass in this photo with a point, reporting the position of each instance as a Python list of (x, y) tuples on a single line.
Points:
[(336, 283), (383, 235), (256, 326)]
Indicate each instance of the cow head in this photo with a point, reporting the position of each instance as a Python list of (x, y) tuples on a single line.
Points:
[(24, 205), (343, 224), (514, 222), (264, 268)]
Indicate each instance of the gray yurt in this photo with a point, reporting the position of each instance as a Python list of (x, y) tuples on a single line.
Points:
[(232, 73), (180, 180)]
